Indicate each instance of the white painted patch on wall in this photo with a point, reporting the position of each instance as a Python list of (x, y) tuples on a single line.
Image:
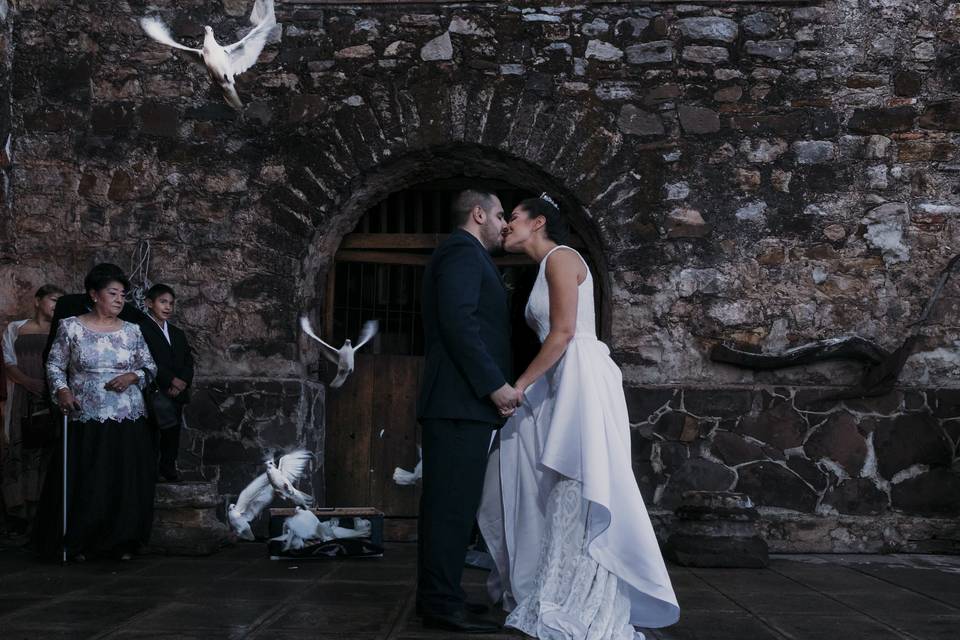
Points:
[(908, 473), (885, 225)]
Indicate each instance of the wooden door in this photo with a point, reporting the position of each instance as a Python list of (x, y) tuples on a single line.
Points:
[(371, 430)]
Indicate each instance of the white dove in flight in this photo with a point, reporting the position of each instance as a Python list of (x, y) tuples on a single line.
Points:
[(224, 62), (252, 500), (283, 474), (344, 356), (404, 477)]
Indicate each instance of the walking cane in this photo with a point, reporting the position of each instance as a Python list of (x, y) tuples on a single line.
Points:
[(64, 559)]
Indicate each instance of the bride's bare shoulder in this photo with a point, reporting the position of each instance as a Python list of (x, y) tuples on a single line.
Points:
[(565, 262)]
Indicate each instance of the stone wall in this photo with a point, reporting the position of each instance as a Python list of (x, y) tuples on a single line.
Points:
[(765, 174)]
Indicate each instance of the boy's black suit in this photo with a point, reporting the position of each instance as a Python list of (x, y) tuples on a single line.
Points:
[(174, 359), (468, 356)]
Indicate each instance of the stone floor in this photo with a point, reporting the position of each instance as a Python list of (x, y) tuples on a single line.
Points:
[(239, 593)]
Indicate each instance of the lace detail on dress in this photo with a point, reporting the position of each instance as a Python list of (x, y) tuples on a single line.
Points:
[(84, 360), (574, 597)]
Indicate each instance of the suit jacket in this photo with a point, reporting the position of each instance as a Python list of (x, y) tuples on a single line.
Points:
[(77, 304), (466, 322), (174, 359)]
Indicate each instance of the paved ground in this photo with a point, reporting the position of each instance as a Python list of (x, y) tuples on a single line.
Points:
[(239, 593)]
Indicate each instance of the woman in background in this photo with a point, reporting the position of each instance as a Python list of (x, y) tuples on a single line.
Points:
[(24, 460)]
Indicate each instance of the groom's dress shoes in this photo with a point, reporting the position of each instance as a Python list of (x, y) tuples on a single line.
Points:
[(476, 607), (460, 622)]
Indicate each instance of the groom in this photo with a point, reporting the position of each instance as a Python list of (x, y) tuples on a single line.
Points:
[(463, 398)]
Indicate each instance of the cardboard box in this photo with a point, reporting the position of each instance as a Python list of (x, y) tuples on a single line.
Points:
[(362, 547)]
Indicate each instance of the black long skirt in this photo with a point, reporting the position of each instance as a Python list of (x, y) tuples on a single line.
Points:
[(111, 471)]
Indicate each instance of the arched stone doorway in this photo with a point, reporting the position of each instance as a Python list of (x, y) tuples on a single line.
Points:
[(376, 273)]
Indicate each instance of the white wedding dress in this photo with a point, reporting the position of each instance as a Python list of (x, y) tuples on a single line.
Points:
[(576, 556)]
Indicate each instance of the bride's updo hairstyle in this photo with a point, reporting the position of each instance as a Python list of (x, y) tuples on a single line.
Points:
[(557, 229)]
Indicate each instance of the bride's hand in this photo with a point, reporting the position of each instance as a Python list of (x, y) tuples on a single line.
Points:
[(519, 395)]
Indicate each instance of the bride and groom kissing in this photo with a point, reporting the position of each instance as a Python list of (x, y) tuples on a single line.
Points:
[(542, 464)]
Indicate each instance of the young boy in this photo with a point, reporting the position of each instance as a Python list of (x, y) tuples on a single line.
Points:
[(171, 351)]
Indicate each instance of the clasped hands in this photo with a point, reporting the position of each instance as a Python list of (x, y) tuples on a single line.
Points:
[(507, 398), (121, 382)]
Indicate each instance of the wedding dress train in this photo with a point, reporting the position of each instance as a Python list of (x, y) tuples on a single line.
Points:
[(576, 555)]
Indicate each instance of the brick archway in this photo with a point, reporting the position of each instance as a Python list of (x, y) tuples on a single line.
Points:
[(438, 163)]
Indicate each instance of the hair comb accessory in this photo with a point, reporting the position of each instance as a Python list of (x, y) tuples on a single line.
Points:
[(547, 198)]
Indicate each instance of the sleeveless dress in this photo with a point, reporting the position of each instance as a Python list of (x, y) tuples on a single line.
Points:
[(575, 553), (23, 469)]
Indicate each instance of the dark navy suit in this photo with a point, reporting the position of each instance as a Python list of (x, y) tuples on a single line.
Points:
[(466, 324), (174, 359)]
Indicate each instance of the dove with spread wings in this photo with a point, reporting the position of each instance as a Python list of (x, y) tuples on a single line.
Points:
[(344, 356), (223, 63), (257, 495)]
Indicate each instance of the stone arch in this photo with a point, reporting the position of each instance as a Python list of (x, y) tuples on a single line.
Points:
[(444, 161)]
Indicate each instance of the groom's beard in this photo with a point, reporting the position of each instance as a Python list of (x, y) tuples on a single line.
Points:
[(493, 243)]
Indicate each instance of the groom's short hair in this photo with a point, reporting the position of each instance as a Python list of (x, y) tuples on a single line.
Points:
[(466, 200)]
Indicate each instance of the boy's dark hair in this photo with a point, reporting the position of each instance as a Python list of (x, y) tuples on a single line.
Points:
[(158, 290)]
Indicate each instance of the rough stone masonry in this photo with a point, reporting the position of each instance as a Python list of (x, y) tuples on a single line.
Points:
[(763, 174)]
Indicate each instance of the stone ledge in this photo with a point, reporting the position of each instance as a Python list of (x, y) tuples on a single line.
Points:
[(793, 532), (181, 495)]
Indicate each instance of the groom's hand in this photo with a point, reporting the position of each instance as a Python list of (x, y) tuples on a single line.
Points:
[(505, 398)]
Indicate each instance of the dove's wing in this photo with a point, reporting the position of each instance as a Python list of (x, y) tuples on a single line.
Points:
[(329, 352), (404, 477), (262, 10), (299, 497), (369, 330), (244, 54), (255, 497), (293, 464), (155, 28), (325, 531)]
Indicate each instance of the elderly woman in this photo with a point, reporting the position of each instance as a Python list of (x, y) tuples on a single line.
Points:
[(97, 368), (26, 421)]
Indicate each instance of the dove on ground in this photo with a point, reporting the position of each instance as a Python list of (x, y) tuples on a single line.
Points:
[(404, 477), (223, 63), (284, 473), (252, 500), (299, 529), (344, 356), (331, 529)]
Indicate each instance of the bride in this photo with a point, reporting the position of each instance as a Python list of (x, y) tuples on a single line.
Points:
[(576, 556)]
